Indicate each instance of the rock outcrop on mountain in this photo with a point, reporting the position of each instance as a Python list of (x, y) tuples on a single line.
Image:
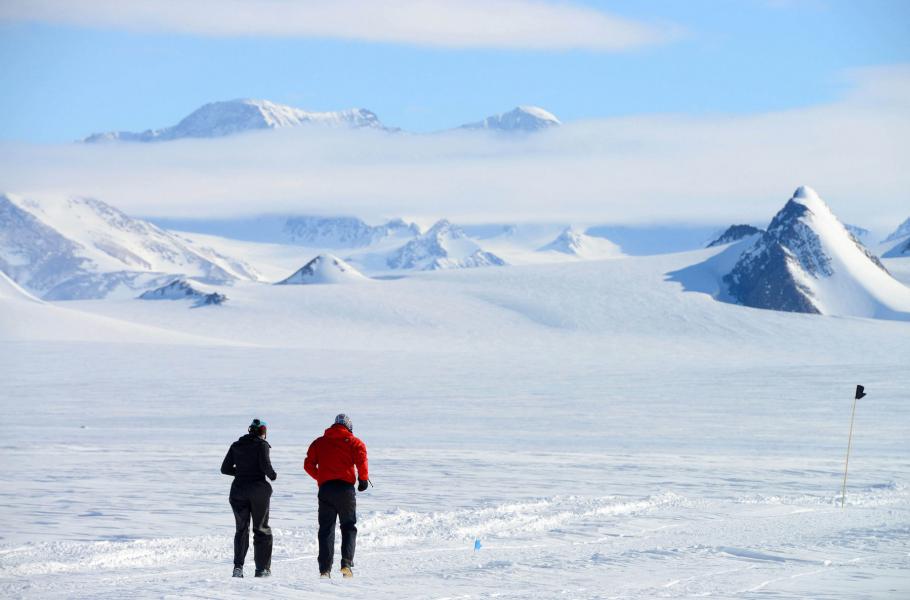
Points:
[(183, 289)]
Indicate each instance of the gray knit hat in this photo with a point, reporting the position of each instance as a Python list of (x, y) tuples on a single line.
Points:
[(345, 420)]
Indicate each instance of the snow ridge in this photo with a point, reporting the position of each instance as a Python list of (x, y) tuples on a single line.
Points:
[(734, 233)]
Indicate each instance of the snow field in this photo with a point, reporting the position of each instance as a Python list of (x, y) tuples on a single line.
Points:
[(603, 432), (582, 480)]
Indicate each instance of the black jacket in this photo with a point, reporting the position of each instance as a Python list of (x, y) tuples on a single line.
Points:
[(248, 460)]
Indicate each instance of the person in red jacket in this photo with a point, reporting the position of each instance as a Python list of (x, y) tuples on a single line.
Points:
[(331, 460)]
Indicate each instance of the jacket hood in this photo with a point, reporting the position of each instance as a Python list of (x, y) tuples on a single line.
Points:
[(339, 431)]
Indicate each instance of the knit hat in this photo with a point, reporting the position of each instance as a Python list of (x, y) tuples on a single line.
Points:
[(258, 427), (345, 420)]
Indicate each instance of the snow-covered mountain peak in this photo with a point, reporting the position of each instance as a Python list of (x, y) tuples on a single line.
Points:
[(521, 118), (576, 243), (807, 261), (325, 268), (218, 119), (536, 112), (442, 246), (804, 192), (444, 228)]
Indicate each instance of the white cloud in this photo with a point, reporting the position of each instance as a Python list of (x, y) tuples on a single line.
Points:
[(527, 24), (647, 168)]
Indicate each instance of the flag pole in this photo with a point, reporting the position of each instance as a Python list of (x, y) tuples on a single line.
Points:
[(859, 394)]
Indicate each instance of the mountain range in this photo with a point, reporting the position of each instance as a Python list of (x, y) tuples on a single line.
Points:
[(75, 248), (219, 119)]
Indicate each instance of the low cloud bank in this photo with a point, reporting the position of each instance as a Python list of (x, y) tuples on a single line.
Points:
[(651, 168)]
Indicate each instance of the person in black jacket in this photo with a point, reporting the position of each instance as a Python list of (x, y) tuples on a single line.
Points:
[(247, 460)]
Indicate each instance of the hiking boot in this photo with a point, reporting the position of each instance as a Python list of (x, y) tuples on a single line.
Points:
[(346, 572), (325, 575), (263, 573), (238, 572)]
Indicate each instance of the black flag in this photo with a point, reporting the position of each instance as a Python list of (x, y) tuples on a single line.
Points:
[(860, 392)]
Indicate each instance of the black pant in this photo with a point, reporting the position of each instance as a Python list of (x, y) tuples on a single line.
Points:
[(337, 498), (251, 500)]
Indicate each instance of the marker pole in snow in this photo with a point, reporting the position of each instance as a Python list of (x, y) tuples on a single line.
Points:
[(859, 394)]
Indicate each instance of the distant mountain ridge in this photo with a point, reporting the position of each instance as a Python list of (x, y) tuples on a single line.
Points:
[(81, 248), (219, 119), (344, 232), (229, 117)]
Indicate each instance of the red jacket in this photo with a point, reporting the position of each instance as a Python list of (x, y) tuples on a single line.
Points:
[(334, 456)]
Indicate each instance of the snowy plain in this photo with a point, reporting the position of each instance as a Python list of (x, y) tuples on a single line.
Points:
[(603, 432)]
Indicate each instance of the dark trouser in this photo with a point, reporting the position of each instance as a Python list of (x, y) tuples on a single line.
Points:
[(250, 500), (337, 499)]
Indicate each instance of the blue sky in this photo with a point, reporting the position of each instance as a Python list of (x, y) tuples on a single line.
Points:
[(65, 78)]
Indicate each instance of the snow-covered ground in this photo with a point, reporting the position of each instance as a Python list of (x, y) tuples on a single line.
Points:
[(601, 431)]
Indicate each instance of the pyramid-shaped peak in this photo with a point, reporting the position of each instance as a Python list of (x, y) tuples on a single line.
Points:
[(807, 261), (325, 268)]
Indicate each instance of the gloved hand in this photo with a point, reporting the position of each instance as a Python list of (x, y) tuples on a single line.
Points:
[(362, 485)]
